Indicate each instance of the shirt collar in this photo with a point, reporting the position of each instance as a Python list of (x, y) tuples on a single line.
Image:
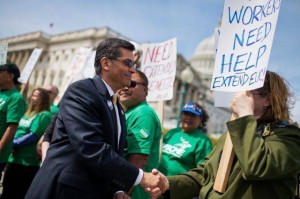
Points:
[(110, 91)]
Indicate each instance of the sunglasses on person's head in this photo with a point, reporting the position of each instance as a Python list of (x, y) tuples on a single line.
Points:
[(134, 84), (129, 63)]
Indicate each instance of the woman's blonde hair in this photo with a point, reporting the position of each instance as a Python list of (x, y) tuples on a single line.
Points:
[(282, 99), (44, 104)]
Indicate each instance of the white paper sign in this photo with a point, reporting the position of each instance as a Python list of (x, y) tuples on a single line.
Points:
[(26, 72), (88, 70), (245, 43), (3, 53), (78, 62), (75, 68), (159, 65), (223, 99)]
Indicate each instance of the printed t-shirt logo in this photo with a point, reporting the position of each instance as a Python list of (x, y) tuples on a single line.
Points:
[(178, 149), (2, 102), (143, 133)]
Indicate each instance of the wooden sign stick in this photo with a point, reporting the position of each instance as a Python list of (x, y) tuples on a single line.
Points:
[(225, 162), (224, 166)]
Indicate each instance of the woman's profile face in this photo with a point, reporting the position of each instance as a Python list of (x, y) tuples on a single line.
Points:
[(261, 100), (35, 98), (190, 121)]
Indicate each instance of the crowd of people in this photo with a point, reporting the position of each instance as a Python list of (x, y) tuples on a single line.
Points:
[(105, 141)]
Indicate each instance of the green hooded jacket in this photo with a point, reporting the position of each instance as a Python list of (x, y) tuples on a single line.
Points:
[(265, 166)]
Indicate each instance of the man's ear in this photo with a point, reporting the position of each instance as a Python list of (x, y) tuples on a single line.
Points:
[(105, 63), (11, 76), (146, 90)]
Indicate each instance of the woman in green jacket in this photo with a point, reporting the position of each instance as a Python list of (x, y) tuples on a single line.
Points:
[(266, 145)]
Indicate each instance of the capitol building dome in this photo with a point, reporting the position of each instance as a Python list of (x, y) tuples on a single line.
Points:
[(203, 60), (206, 46)]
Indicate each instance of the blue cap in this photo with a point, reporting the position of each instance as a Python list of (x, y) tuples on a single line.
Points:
[(192, 108)]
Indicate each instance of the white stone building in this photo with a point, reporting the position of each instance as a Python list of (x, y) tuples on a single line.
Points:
[(58, 51)]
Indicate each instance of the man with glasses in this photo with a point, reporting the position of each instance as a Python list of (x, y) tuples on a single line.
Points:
[(143, 128), (85, 157)]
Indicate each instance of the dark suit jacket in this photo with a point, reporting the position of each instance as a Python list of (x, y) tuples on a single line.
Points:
[(83, 160)]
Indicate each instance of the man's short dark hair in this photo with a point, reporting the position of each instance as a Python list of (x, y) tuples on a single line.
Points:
[(110, 48), (143, 77)]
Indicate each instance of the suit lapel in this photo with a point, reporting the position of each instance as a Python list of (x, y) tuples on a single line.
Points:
[(104, 92), (123, 127)]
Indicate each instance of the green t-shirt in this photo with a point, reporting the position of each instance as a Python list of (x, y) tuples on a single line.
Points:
[(26, 155), (183, 151), (53, 109), (143, 137), (12, 108)]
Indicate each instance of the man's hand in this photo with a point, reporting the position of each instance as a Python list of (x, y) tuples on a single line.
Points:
[(150, 180), (121, 195), (162, 185)]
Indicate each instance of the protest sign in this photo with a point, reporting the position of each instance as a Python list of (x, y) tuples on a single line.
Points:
[(88, 70), (26, 72), (3, 53), (78, 62), (246, 37), (75, 67), (159, 65), (245, 42)]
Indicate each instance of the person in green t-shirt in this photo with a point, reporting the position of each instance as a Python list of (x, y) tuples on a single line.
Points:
[(186, 147), (12, 108), (143, 128), (23, 162)]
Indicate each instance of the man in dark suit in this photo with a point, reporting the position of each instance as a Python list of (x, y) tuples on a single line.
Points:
[(84, 160)]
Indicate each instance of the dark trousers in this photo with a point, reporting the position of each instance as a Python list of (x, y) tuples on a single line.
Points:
[(17, 180)]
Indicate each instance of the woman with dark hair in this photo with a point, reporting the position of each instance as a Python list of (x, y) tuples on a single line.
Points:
[(266, 146), (186, 147), (23, 162)]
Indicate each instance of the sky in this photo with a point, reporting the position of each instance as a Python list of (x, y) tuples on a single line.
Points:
[(154, 21)]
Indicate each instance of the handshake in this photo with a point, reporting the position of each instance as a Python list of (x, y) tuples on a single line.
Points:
[(155, 183)]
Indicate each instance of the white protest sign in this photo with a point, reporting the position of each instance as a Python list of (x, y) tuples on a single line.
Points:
[(26, 72), (159, 65), (3, 53), (223, 99), (245, 43), (72, 73), (78, 61), (88, 70)]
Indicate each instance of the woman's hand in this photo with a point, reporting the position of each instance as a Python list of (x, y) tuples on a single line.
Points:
[(242, 104)]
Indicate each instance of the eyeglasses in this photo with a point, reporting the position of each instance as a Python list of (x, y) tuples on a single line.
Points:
[(129, 63), (134, 83), (260, 93)]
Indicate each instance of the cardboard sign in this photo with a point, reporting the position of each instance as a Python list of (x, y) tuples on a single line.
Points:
[(88, 70), (78, 62), (3, 53), (26, 72), (75, 68), (245, 42), (159, 64)]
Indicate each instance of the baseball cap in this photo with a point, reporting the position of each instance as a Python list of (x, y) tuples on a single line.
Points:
[(12, 68), (192, 108)]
